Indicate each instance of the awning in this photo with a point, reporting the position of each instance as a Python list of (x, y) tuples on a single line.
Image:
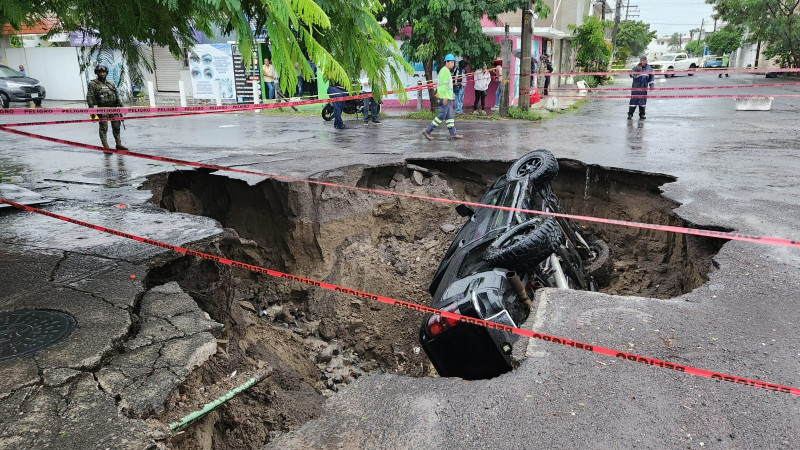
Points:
[(548, 32)]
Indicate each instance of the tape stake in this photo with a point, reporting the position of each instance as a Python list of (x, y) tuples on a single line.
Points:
[(425, 309), (783, 242)]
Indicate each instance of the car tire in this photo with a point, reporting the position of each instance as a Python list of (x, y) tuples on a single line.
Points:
[(690, 68), (5, 101), (600, 265), (525, 246), (327, 112), (38, 103), (670, 76), (539, 166)]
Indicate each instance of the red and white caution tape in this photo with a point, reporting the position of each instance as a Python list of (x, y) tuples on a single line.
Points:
[(425, 309), (783, 242)]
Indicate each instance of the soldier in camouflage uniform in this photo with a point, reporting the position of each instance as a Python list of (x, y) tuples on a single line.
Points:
[(103, 94)]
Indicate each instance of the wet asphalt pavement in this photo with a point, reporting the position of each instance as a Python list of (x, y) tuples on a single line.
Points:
[(733, 169)]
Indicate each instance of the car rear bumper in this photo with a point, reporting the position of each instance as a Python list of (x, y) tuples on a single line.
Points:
[(467, 351)]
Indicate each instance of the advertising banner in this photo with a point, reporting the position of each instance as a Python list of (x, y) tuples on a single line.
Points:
[(244, 77), (209, 63)]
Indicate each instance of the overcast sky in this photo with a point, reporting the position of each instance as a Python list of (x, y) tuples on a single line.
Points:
[(678, 16)]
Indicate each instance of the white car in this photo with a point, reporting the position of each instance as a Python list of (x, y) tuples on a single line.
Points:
[(674, 61)]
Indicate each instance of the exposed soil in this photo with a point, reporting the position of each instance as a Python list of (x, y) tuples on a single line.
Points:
[(314, 340)]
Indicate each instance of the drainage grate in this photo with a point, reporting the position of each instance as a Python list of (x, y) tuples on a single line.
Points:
[(107, 174), (25, 332)]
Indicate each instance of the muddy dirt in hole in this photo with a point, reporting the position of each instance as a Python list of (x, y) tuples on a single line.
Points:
[(315, 340)]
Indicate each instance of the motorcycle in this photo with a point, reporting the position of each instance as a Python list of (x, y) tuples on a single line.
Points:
[(350, 107)]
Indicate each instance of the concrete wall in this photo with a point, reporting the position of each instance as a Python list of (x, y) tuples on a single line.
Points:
[(56, 68)]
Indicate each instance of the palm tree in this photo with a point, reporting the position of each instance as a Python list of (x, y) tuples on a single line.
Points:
[(675, 41)]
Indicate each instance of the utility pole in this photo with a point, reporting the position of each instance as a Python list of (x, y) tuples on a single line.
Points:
[(525, 63), (715, 25), (627, 8), (615, 29), (702, 24)]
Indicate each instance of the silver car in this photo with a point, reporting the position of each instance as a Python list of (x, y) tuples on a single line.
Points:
[(16, 87)]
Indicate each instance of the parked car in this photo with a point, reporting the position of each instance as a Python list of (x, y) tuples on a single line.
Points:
[(496, 262), (711, 61), (674, 61), (16, 87)]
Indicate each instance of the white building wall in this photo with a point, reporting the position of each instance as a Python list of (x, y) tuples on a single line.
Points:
[(56, 68)]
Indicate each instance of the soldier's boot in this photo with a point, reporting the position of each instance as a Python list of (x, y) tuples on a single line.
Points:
[(631, 110), (104, 141), (641, 113), (119, 144)]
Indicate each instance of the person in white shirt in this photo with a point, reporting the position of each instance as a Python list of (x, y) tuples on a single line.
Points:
[(370, 105), (482, 78)]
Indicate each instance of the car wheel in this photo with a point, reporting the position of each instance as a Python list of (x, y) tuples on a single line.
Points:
[(692, 67), (600, 264), (4, 100), (327, 112), (525, 246), (539, 166), (671, 76)]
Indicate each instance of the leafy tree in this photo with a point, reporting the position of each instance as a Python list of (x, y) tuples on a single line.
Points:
[(589, 38), (438, 27), (342, 35), (774, 21), (695, 47), (675, 41), (725, 40), (635, 35)]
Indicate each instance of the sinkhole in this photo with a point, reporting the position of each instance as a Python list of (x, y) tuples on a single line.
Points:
[(317, 340)]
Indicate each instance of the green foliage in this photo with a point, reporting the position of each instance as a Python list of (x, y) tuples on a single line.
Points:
[(695, 48), (516, 113), (342, 36), (591, 80), (725, 40), (423, 114), (675, 41), (439, 27), (635, 36), (15, 41), (594, 53), (776, 22)]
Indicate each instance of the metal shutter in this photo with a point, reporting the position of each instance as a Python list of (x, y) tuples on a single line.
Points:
[(168, 70)]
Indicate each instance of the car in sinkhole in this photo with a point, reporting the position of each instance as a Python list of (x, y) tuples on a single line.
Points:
[(496, 262)]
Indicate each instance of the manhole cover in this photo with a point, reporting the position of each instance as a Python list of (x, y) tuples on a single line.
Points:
[(27, 331)]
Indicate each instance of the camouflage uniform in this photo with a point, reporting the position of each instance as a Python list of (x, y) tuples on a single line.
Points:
[(103, 94)]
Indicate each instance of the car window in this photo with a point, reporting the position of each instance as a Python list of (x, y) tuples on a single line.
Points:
[(680, 58), (8, 72), (668, 57)]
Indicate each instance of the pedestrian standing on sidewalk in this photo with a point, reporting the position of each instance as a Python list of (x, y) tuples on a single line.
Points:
[(460, 86), (726, 60), (444, 92), (642, 75), (547, 67), (268, 70), (498, 75), (22, 70), (370, 105), (103, 94), (482, 78)]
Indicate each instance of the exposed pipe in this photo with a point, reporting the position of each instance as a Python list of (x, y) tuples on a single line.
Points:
[(516, 284), (561, 279), (186, 420)]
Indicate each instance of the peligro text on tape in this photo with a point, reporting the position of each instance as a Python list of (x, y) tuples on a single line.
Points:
[(425, 309), (237, 107), (666, 228)]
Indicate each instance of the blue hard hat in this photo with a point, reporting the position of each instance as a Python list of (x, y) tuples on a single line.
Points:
[(449, 57)]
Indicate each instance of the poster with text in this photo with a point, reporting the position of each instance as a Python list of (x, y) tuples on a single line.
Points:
[(244, 77), (208, 63)]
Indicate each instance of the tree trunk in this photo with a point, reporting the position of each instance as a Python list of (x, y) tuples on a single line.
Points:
[(428, 65)]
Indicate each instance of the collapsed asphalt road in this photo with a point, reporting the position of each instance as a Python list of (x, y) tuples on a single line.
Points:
[(739, 322)]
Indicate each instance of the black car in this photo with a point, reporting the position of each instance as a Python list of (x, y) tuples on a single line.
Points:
[(16, 87), (495, 263)]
